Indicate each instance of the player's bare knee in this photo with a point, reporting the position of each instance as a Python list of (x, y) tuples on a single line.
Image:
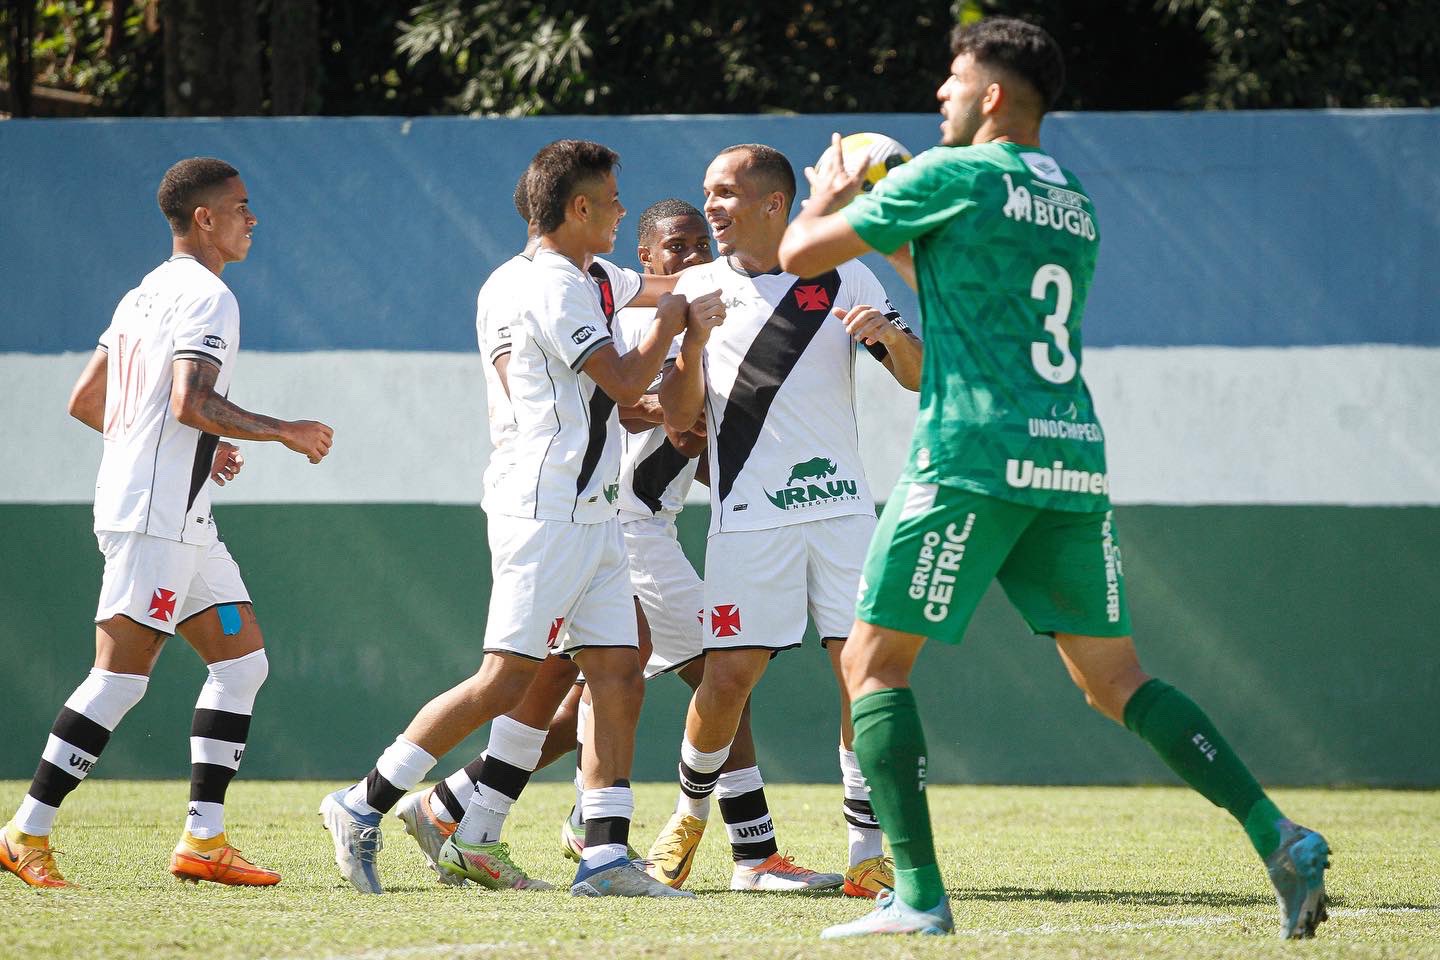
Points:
[(728, 682)]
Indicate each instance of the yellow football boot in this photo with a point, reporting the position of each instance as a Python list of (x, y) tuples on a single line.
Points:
[(870, 878), (673, 852), (30, 858)]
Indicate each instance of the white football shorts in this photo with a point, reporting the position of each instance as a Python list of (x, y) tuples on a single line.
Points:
[(557, 587), (669, 590), (160, 583), (759, 584)]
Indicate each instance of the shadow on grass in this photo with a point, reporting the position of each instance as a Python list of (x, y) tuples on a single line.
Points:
[(1156, 898)]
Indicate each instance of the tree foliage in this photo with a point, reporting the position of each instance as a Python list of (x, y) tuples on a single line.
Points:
[(344, 57), (1310, 53)]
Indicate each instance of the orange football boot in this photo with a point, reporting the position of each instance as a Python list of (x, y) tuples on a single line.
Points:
[(215, 860), (30, 858)]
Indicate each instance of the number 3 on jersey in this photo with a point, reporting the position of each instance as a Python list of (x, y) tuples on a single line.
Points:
[(1063, 372)]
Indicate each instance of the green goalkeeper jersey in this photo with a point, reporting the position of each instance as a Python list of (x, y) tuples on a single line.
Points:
[(1004, 242)]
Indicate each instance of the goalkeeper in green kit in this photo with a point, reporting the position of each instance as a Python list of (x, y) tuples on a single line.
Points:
[(1006, 478)]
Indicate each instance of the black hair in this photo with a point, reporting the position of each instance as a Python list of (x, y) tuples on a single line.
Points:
[(186, 186), (662, 210), (1021, 48), (558, 171)]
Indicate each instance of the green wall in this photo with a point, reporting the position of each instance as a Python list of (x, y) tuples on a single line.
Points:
[(1307, 632)]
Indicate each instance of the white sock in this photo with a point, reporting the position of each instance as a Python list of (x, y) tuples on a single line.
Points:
[(861, 827)]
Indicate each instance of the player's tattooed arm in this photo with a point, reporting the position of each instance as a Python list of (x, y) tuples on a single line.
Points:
[(195, 403), (87, 399)]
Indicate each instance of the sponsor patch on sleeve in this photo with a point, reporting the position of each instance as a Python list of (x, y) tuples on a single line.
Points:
[(214, 342)]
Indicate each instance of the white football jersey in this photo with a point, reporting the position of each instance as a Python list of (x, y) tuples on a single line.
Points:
[(654, 476), (566, 445), (496, 311), (780, 395), (154, 475)]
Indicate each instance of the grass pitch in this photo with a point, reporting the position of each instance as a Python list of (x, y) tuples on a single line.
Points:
[(1032, 873)]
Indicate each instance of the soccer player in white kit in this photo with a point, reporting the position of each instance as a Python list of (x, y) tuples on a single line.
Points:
[(561, 581), (789, 505), (155, 389), (478, 797)]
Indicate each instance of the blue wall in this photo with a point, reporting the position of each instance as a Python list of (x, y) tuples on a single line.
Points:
[(1241, 229)]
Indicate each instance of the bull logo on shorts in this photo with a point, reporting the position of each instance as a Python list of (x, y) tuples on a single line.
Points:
[(162, 604)]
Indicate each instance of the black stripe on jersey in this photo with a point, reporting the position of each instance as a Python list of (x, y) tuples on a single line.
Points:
[(771, 357), (196, 355), (200, 469), (656, 472), (600, 407)]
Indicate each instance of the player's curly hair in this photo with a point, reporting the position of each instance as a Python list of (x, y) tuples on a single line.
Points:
[(1022, 48), (186, 186), (771, 166), (662, 210), (558, 171)]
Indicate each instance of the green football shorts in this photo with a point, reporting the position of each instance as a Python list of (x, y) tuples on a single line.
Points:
[(937, 548)]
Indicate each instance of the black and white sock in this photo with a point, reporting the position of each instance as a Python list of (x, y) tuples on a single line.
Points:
[(863, 830), (698, 775), (79, 735), (607, 811), (452, 795), (218, 735), (400, 768), (747, 816), (510, 758)]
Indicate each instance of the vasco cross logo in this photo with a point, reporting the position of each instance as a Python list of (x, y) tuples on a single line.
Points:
[(162, 604), (725, 620), (583, 334), (799, 493), (811, 297)]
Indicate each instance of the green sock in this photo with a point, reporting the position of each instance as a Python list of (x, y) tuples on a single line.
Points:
[(1183, 736), (890, 744)]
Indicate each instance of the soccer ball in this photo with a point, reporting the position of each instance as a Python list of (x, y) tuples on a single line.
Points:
[(882, 154)]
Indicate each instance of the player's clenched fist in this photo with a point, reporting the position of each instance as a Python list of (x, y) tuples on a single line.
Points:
[(706, 313), (670, 313), (310, 438)]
